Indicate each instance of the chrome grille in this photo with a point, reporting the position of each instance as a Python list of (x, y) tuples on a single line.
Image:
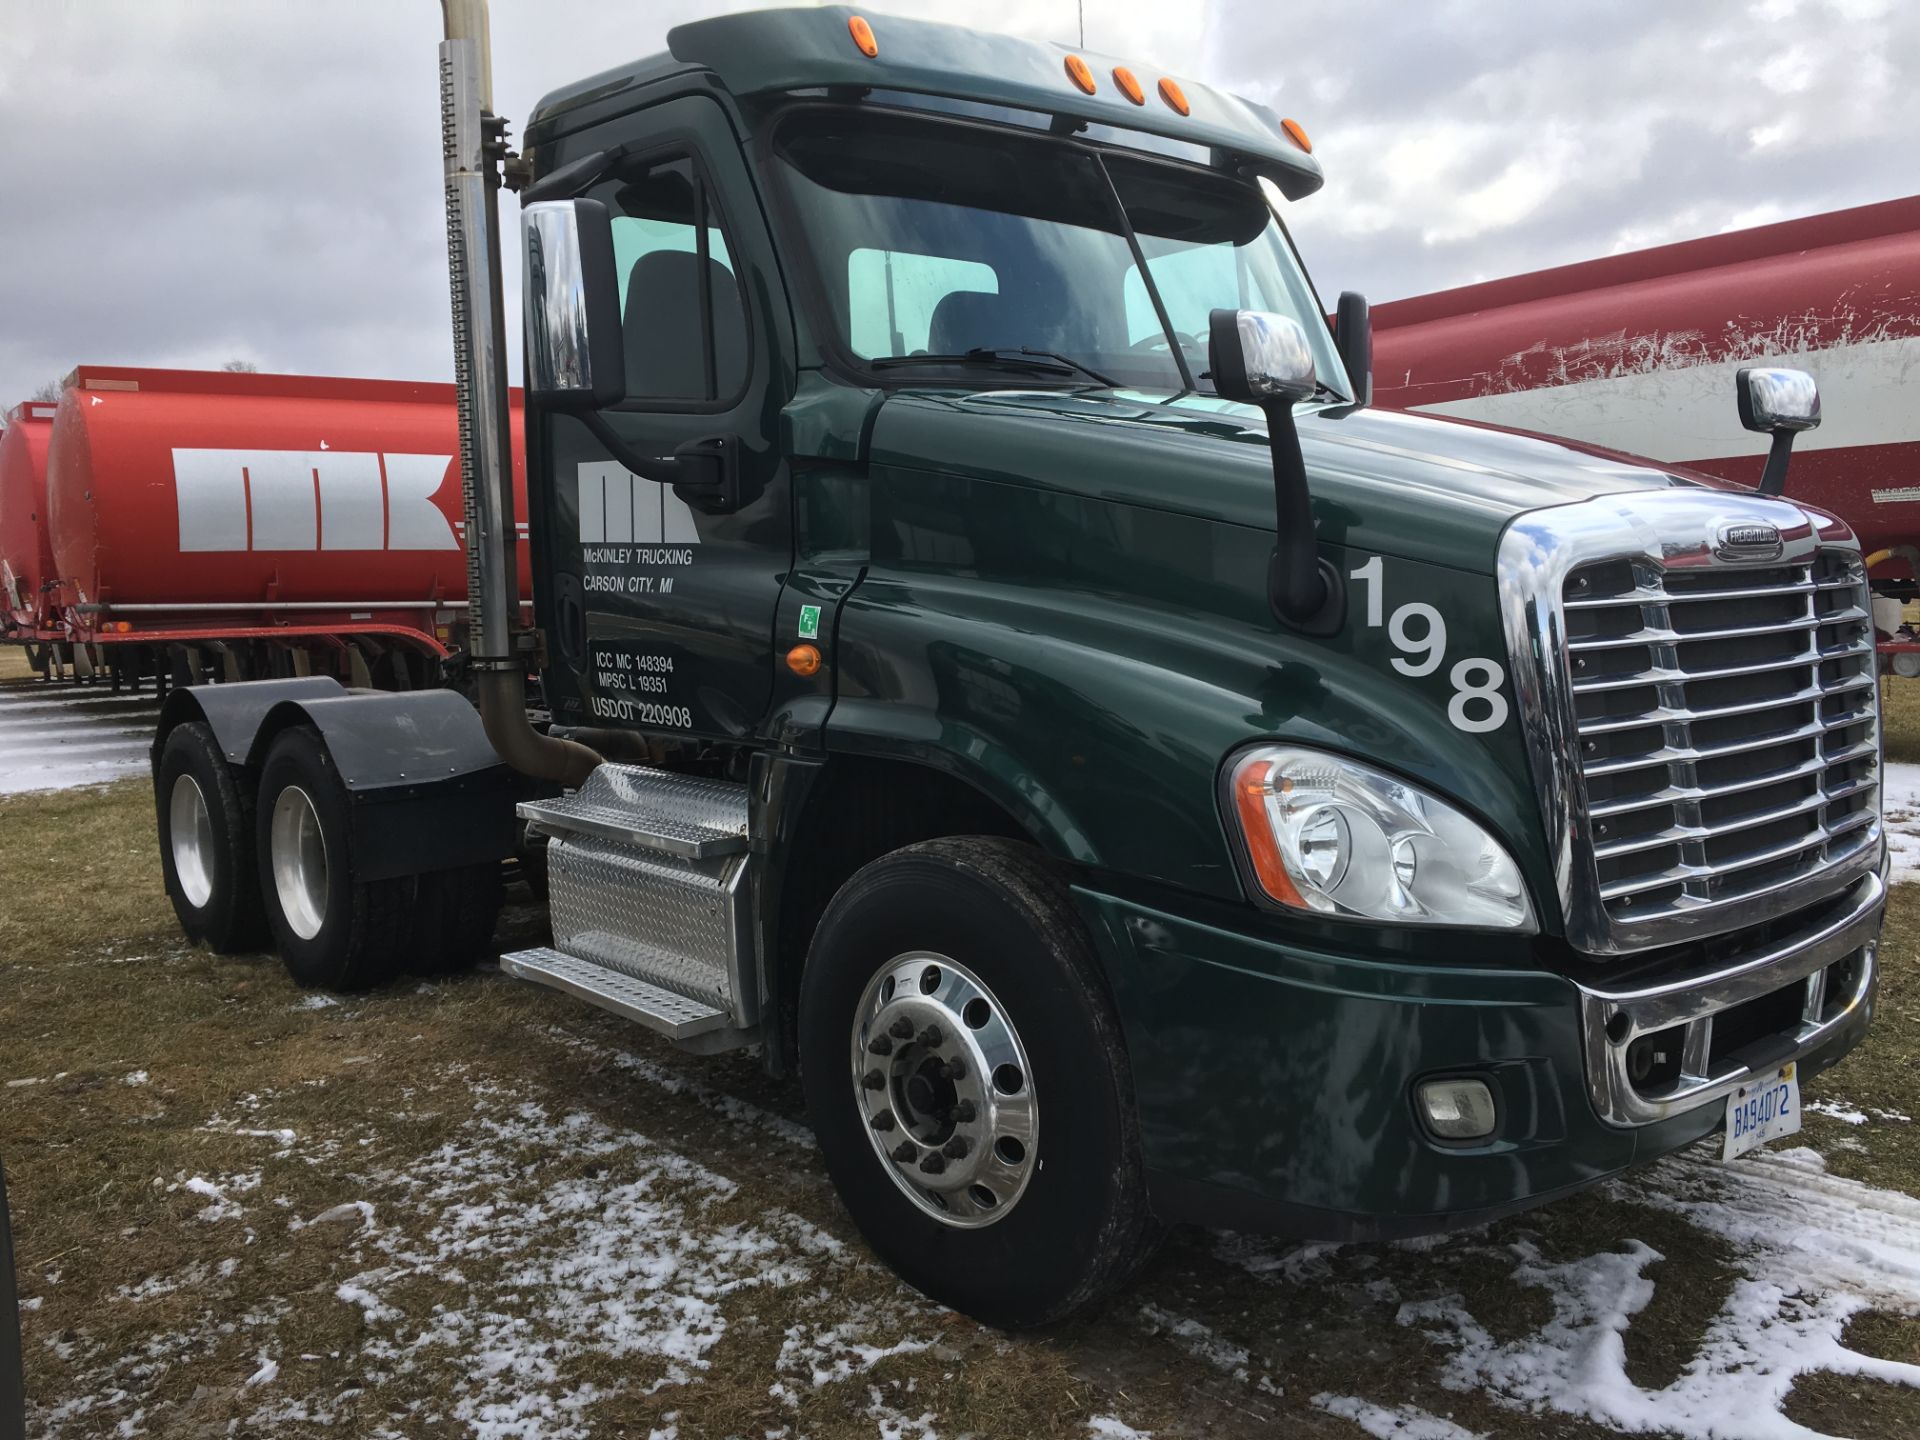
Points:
[(1714, 723)]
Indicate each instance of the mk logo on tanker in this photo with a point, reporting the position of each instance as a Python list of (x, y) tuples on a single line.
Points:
[(238, 500)]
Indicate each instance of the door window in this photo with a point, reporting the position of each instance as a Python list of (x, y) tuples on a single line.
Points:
[(683, 320)]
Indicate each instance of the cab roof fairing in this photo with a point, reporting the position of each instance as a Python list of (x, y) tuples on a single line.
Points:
[(767, 51)]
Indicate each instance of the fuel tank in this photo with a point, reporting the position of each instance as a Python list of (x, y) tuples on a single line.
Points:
[(1637, 352), (26, 555), (201, 489)]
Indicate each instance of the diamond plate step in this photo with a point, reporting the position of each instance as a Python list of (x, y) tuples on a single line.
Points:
[(674, 1016), (685, 815)]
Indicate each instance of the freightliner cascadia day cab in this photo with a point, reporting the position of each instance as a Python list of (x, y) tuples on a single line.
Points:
[(1000, 667)]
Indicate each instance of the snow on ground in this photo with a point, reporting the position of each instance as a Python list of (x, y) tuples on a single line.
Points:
[(628, 1246), (55, 737), (1900, 800), (1813, 1249), (1401, 1422)]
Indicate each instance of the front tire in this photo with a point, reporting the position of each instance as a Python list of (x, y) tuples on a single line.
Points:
[(966, 1077), (206, 844), (334, 930)]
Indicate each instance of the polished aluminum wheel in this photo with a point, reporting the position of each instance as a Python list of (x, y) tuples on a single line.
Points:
[(943, 1081), (190, 831), (299, 858)]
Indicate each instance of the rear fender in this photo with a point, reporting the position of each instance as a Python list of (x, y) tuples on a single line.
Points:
[(426, 790)]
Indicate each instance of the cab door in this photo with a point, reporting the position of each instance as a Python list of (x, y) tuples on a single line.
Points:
[(661, 602)]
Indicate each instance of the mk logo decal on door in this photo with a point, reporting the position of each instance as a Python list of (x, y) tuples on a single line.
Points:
[(617, 507), (236, 500)]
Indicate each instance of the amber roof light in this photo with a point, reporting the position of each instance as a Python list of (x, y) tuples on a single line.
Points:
[(1297, 133), (1129, 85), (862, 34), (1175, 97), (1078, 72)]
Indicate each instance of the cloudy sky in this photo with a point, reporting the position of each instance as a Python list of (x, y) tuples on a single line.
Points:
[(187, 181)]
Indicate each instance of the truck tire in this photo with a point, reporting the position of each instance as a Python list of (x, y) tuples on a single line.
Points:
[(967, 1079), (454, 914), (206, 844), (334, 931), (13, 1392)]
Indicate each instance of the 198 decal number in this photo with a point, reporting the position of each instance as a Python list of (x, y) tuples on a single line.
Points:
[(1419, 632)]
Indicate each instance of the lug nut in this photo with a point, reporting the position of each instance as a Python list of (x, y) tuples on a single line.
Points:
[(956, 1148), (874, 1080), (932, 1038), (933, 1165), (905, 1151), (901, 1029), (956, 1070), (963, 1113), (884, 1120), (880, 1045)]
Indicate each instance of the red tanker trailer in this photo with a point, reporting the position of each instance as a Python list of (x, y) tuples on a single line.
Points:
[(1637, 352), (26, 557), (223, 525)]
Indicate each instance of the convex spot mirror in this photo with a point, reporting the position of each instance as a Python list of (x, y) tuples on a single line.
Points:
[(576, 358), (1774, 400), (1256, 355)]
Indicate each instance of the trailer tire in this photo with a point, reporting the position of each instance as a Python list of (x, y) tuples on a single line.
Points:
[(206, 844), (334, 931), (453, 917), (986, 927)]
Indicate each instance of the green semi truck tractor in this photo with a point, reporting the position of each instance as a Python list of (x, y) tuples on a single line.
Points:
[(996, 662)]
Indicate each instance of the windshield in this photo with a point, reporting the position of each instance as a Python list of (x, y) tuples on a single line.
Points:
[(934, 239)]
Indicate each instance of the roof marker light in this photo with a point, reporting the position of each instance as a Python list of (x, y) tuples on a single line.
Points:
[(1297, 133), (1175, 97), (1129, 86), (862, 34), (1078, 72)]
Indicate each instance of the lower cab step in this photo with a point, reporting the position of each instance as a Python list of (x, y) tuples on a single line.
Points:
[(672, 1014)]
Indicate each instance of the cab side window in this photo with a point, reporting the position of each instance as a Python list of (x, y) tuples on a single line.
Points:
[(683, 319)]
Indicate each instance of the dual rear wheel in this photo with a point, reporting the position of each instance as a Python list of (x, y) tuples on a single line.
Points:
[(277, 867)]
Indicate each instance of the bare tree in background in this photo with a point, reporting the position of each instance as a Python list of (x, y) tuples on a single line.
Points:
[(50, 392)]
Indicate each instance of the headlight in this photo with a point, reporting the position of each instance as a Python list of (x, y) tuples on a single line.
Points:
[(1329, 834)]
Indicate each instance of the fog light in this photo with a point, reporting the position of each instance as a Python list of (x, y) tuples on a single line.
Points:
[(1457, 1109)]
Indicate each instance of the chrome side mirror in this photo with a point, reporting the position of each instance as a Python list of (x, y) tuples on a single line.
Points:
[(1780, 403), (1266, 360), (1256, 355), (576, 356)]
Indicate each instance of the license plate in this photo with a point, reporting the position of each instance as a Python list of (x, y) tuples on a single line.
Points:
[(1762, 1110)]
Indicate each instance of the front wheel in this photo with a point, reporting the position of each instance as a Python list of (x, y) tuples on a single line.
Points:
[(965, 1074)]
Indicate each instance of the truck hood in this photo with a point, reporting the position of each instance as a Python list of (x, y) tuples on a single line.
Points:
[(1416, 486)]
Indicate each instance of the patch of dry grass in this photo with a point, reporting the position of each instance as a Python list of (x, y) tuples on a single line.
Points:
[(540, 1174)]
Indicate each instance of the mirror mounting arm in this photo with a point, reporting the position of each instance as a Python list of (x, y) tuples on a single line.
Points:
[(1773, 479), (705, 472), (1303, 590)]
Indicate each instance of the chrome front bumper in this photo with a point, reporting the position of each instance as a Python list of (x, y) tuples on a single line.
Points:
[(1832, 963)]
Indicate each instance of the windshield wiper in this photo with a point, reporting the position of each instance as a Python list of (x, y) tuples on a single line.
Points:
[(1007, 357)]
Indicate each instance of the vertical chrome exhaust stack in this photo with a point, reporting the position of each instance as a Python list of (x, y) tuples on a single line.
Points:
[(473, 141)]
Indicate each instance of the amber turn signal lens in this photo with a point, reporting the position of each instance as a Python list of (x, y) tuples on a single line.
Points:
[(1251, 787), (1175, 97), (804, 660), (1297, 133), (862, 33), (1129, 85), (1078, 72)]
